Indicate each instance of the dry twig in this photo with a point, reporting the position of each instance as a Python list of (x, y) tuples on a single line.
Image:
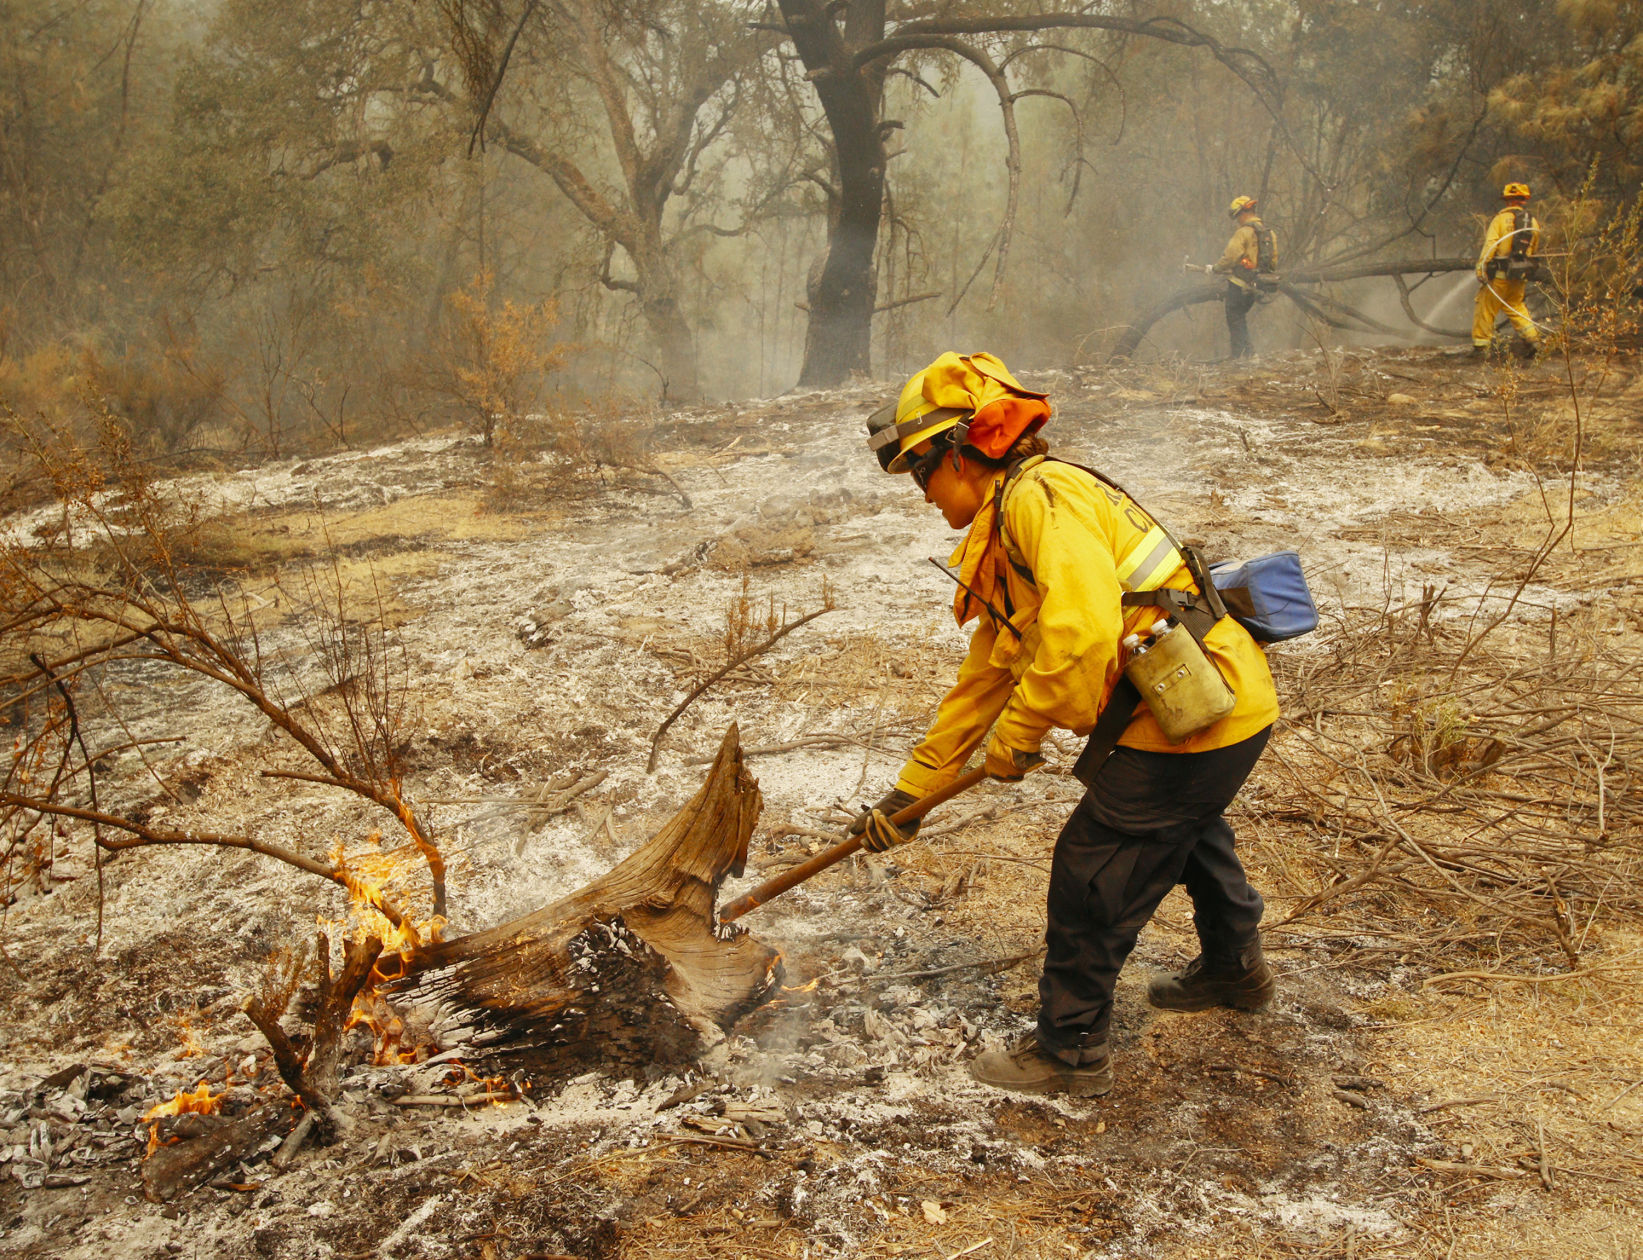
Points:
[(741, 651)]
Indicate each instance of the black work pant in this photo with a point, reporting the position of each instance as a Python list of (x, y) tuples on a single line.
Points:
[(1239, 301), (1151, 821)]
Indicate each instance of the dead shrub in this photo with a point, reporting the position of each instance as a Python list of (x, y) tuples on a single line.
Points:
[(169, 395), (494, 357), (547, 456), (1601, 273), (1467, 796), (43, 381)]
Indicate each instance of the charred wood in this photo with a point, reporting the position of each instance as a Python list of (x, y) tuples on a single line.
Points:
[(312, 1069), (178, 1168), (629, 971)]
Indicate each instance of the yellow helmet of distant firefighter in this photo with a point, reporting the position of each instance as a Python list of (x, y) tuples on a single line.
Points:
[(1239, 205), (1515, 189), (959, 400)]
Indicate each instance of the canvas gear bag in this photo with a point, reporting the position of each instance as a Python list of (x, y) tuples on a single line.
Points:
[(1268, 596)]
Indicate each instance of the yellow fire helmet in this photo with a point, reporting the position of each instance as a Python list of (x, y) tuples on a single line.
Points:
[(1239, 205), (1515, 189), (973, 394)]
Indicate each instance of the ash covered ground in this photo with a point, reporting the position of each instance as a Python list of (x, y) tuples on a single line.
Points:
[(547, 636)]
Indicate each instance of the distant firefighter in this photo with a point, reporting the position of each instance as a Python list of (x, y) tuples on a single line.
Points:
[(1250, 255), (1505, 264)]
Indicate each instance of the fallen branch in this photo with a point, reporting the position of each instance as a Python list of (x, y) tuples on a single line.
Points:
[(987, 967), (1214, 290), (650, 471), (293, 1142), (1416, 320), (1504, 978), (452, 1100), (1342, 888), (1476, 1170), (1454, 1102), (792, 745), (738, 659), (728, 1143), (140, 834)]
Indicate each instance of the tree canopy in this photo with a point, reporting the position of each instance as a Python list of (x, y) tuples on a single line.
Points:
[(253, 229)]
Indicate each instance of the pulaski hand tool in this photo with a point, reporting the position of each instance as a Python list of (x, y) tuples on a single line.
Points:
[(827, 857)]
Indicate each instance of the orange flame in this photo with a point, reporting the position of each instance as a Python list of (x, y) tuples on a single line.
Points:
[(200, 1102), (501, 1093), (388, 1029), (802, 988), (365, 875)]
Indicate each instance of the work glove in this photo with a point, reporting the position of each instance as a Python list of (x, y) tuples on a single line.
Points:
[(1010, 764), (876, 830)]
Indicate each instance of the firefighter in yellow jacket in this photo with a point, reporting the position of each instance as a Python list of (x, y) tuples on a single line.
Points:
[(1505, 264), (1049, 553), (1249, 253)]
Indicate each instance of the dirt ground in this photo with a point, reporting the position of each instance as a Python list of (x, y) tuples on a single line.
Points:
[(1396, 1101)]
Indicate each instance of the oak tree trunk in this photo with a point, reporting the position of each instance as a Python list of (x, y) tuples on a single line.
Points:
[(675, 345), (838, 339)]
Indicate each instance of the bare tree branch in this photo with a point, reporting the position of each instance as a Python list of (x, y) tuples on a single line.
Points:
[(477, 135), (736, 658)]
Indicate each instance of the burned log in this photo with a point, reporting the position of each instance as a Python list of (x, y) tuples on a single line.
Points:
[(223, 1142), (629, 971)]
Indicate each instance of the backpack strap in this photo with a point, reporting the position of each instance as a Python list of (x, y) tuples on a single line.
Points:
[(1196, 610), (1109, 729)]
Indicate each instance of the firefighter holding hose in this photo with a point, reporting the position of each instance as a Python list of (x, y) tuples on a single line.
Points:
[(1058, 569), (1250, 263), (1505, 265)]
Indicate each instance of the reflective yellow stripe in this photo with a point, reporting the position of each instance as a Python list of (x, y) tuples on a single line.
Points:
[(1149, 563)]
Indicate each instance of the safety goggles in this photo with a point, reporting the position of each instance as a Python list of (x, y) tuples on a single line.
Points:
[(925, 466), (886, 433)]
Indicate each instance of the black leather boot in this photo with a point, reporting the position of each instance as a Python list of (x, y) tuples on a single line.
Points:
[(1243, 982)]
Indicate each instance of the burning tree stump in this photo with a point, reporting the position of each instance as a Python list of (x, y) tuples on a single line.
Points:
[(312, 1068), (632, 969)]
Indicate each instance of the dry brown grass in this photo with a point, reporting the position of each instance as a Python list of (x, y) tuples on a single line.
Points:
[(1470, 796)]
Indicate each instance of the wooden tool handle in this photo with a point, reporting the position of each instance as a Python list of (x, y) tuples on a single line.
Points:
[(804, 870)]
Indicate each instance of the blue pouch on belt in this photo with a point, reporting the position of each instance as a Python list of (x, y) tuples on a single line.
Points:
[(1268, 596)]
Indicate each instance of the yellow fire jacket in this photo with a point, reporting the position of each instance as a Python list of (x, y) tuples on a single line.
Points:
[(1068, 548), (1497, 241), (1237, 261)]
